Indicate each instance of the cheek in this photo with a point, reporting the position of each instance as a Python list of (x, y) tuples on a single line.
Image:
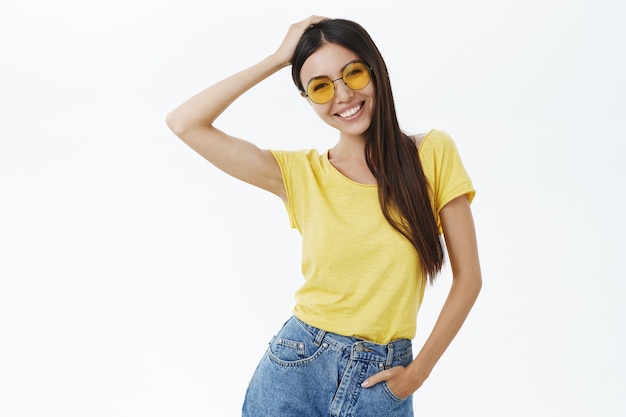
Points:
[(370, 90), (321, 111), (372, 95)]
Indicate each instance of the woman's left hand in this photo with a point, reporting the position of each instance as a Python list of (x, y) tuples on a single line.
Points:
[(458, 230), (398, 379)]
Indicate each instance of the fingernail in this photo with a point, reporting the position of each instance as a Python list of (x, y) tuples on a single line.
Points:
[(365, 383)]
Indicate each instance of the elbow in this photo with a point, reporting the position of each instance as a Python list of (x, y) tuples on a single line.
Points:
[(183, 125), (476, 284), (479, 285), (472, 283), (175, 124)]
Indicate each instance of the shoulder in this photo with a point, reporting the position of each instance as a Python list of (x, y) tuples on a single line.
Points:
[(433, 141), (300, 154), (297, 159), (437, 150), (433, 138), (418, 138)]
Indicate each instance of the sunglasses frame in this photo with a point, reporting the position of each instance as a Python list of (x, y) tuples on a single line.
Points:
[(332, 82)]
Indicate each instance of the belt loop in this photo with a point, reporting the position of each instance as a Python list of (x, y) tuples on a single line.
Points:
[(320, 336), (389, 355)]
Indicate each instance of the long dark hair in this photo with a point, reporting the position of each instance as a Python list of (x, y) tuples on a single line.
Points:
[(391, 155)]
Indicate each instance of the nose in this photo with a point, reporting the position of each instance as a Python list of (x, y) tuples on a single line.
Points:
[(342, 92)]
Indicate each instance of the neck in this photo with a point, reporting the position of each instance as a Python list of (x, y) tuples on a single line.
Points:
[(349, 147)]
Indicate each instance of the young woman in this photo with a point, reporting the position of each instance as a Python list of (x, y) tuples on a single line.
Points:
[(370, 212)]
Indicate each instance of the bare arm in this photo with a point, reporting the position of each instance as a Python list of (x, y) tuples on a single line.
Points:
[(193, 120), (460, 236)]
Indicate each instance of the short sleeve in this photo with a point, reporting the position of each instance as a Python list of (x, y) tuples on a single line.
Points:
[(446, 176), (283, 159)]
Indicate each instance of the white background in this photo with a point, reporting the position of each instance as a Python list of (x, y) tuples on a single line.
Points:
[(138, 280)]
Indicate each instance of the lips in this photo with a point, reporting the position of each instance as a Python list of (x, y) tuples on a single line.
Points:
[(351, 111)]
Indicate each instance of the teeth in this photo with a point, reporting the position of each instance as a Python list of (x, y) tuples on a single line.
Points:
[(350, 112)]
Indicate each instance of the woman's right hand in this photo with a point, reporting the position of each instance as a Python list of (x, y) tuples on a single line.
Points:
[(285, 51)]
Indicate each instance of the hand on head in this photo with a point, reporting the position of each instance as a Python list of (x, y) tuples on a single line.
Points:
[(288, 46)]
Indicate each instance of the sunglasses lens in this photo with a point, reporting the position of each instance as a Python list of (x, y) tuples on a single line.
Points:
[(320, 90), (356, 75)]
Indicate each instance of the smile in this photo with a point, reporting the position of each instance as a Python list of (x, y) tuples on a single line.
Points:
[(350, 112)]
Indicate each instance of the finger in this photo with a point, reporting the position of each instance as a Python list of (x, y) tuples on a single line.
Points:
[(313, 20), (377, 378), (317, 19)]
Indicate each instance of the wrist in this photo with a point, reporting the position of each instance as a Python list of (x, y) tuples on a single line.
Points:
[(278, 61), (418, 374)]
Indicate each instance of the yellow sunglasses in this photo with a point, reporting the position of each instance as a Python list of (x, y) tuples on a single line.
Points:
[(356, 76)]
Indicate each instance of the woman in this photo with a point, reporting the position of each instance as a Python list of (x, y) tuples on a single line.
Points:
[(370, 211)]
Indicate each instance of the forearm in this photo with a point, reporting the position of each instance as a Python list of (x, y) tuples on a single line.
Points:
[(202, 109), (455, 310)]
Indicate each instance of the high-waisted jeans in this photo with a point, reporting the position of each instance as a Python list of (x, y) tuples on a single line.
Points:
[(308, 372)]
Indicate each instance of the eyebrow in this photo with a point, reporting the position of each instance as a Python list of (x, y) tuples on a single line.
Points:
[(317, 77)]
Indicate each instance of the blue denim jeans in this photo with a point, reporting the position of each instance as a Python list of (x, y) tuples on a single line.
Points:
[(308, 372)]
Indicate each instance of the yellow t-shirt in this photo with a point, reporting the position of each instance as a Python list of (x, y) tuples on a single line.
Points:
[(361, 277)]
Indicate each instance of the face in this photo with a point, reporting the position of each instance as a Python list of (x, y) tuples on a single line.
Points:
[(349, 111)]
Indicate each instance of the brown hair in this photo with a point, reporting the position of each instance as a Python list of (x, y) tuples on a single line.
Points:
[(391, 155)]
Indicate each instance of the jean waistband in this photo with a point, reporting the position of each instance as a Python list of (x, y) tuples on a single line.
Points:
[(360, 349)]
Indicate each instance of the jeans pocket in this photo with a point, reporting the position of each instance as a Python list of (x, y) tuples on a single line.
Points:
[(404, 359), (289, 357), (391, 395), (288, 350), (294, 346)]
